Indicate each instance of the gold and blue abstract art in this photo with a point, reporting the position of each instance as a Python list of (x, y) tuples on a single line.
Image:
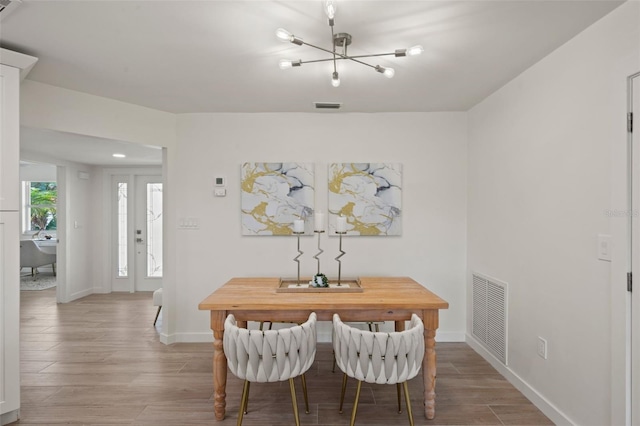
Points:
[(369, 195), (274, 195)]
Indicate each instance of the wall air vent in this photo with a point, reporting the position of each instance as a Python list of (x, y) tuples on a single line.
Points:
[(327, 105), (7, 6), (489, 315)]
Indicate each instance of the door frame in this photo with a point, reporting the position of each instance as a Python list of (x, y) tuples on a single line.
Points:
[(632, 343), (108, 271)]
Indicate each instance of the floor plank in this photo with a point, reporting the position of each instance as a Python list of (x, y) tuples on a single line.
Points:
[(98, 361)]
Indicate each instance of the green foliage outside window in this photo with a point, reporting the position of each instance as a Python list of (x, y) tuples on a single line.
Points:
[(44, 196)]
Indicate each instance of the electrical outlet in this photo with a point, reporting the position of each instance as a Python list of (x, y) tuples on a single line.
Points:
[(542, 347)]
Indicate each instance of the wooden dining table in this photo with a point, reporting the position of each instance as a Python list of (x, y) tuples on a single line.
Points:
[(380, 299)]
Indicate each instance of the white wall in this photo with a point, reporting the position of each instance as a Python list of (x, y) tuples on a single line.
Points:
[(81, 229), (37, 172), (48, 107), (431, 147), (546, 161)]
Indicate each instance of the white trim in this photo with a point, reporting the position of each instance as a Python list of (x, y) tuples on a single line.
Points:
[(550, 410), (18, 60), (10, 417), (79, 295), (169, 339)]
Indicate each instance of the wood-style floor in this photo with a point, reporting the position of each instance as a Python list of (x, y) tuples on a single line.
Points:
[(98, 361)]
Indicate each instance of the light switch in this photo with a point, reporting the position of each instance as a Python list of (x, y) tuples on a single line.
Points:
[(188, 223), (220, 192), (604, 247)]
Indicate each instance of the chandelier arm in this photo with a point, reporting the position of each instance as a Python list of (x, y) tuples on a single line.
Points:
[(334, 51), (370, 56), (339, 54), (331, 59)]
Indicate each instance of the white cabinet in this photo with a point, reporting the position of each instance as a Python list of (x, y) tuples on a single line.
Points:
[(9, 138), (9, 244), (9, 314), (12, 66)]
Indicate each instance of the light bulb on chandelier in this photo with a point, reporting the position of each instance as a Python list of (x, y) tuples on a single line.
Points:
[(340, 41), (335, 80)]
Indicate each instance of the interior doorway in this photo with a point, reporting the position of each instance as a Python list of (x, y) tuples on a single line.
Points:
[(137, 232)]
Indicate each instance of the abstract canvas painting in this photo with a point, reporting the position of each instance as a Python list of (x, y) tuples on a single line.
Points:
[(274, 195), (369, 195)]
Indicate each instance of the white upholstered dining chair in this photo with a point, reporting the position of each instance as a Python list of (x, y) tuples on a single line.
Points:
[(270, 356), (378, 358), (32, 256)]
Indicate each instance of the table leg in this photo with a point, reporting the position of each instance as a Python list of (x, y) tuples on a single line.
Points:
[(219, 375), (429, 373)]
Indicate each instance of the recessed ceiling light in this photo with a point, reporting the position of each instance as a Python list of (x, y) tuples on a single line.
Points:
[(119, 155)]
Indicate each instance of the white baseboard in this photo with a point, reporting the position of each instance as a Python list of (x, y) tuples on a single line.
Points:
[(450, 336), (10, 417), (169, 339), (549, 410), (79, 295)]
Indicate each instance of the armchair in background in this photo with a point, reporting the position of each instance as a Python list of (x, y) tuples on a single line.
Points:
[(32, 256)]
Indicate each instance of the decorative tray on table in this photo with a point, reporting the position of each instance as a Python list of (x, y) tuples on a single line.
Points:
[(291, 285)]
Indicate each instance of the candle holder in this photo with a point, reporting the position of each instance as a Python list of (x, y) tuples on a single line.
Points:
[(320, 251), (342, 253), (297, 258)]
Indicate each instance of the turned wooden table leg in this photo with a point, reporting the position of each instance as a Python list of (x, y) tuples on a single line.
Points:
[(429, 374), (430, 319), (219, 376)]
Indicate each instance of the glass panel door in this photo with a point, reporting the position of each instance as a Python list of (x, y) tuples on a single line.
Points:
[(137, 233), (148, 233)]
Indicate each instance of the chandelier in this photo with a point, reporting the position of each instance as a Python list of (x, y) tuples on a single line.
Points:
[(340, 41)]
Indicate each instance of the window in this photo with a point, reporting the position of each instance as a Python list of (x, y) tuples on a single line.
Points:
[(123, 249), (154, 230), (39, 206)]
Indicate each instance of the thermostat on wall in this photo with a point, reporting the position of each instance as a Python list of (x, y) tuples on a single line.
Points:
[(220, 181)]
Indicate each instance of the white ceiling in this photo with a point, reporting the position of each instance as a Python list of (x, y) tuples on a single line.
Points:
[(222, 56)]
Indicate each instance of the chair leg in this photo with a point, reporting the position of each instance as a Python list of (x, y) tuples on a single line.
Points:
[(292, 386), (157, 313), (246, 402), (399, 399), (333, 369), (344, 387), (304, 392), (243, 401), (408, 401), (355, 404), (371, 325)]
